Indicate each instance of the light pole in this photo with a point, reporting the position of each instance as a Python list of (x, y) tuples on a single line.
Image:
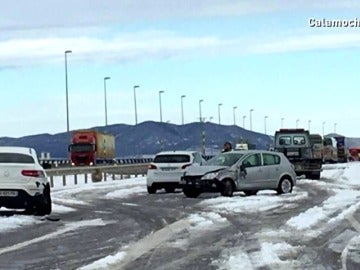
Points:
[(323, 128), (219, 105), (182, 109), (160, 92), (265, 117), (251, 110), (234, 108), (67, 93), (282, 122), (200, 109), (136, 120), (335, 124), (297, 123), (309, 123), (105, 79), (244, 117)]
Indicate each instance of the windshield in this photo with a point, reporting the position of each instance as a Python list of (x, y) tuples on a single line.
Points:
[(82, 147), (225, 159)]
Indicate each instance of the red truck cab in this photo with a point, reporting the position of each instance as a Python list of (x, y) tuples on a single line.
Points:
[(83, 148)]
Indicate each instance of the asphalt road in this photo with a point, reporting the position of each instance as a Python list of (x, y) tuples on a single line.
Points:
[(156, 234)]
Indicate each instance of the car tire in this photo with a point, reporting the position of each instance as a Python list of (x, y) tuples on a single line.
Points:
[(285, 186), (151, 190), (44, 207), (191, 192), (227, 188), (250, 192), (170, 190)]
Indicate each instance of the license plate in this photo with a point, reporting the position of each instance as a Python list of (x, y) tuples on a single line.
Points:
[(8, 193), (168, 169)]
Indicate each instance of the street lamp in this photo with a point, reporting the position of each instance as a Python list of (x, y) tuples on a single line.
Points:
[(105, 79), (182, 109), (309, 123), (200, 109), (67, 93), (135, 86), (219, 105), (251, 110), (234, 108), (160, 92), (323, 127), (244, 116), (335, 124), (282, 122), (297, 123), (266, 117)]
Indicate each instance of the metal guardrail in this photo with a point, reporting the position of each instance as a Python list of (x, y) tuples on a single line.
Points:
[(98, 173), (62, 162)]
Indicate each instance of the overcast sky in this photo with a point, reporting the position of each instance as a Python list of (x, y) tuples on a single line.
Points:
[(260, 55)]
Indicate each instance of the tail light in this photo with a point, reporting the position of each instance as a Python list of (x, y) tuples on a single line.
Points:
[(32, 173), (152, 167), (185, 165)]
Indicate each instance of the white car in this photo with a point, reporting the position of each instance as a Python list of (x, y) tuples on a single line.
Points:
[(167, 168), (23, 181)]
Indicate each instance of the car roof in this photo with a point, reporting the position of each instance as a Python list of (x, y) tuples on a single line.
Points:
[(176, 152), (255, 151), (17, 149)]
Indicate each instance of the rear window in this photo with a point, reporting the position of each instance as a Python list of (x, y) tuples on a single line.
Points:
[(172, 159), (15, 158)]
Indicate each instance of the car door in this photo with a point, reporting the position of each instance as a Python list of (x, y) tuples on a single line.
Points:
[(252, 176), (272, 170)]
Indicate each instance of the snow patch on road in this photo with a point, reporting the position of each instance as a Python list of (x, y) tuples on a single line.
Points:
[(125, 193), (104, 262), (264, 201), (16, 221)]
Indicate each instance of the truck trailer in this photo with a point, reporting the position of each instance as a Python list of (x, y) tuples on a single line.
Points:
[(91, 147)]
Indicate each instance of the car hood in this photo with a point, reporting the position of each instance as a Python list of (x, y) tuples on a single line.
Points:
[(202, 170)]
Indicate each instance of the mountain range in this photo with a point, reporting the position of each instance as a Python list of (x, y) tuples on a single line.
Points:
[(150, 137)]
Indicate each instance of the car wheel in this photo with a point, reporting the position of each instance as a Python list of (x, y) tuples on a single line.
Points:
[(250, 192), (44, 207), (228, 188), (170, 190), (191, 192), (151, 190), (285, 186)]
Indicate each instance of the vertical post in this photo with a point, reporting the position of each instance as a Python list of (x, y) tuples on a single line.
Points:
[(200, 115), (234, 108), (203, 137), (106, 120), (282, 122), (297, 123), (136, 120), (251, 110), (309, 123), (335, 124), (219, 105), (266, 117), (244, 117), (182, 109), (323, 128), (67, 92), (160, 92)]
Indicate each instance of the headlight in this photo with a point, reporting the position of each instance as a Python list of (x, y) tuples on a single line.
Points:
[(209, 176)]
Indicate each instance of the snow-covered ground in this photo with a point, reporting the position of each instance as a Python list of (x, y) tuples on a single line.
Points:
[(341, 181)]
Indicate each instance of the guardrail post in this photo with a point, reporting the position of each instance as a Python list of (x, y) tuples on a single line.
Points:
[(113, 176), (64, 180), (75, 179), (104, 176), (86, 178), (51, 181)]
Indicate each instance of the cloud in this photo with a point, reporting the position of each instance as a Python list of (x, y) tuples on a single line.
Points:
[(309, 42), (32, 14)]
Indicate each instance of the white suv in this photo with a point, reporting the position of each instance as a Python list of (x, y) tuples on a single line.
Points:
[(23, 182), (167, 168)]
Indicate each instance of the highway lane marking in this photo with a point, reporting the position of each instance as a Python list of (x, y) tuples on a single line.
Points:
[(68, 227)]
